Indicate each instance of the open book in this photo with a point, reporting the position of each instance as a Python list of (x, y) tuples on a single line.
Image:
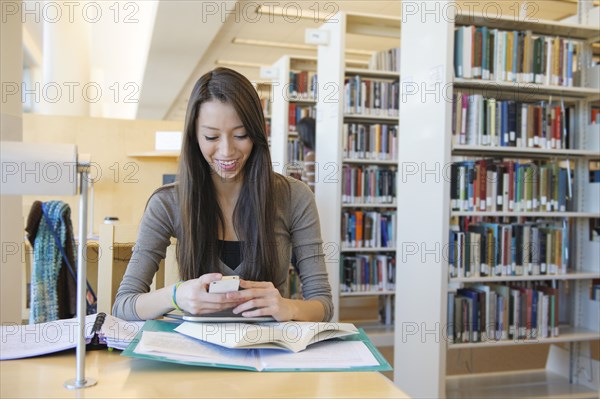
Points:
[(292, 335)]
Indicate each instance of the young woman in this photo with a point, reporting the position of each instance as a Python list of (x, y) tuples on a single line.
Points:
[(231, 215)]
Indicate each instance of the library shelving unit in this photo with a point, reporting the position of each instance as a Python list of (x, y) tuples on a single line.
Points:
[(287, 96), (424, 203), (264, 90), (291, 88), (334, 118)]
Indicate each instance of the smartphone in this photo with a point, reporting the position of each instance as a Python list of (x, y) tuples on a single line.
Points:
[(226, 284)]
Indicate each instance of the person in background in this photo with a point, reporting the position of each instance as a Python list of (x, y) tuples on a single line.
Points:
[(306, 133), (231, 215)]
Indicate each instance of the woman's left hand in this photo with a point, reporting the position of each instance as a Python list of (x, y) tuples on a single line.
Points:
[(261, 298)]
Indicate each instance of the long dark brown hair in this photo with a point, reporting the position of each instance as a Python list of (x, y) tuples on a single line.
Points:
[(253, 216)]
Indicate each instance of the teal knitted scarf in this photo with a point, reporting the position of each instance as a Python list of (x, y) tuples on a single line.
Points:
[(47, 261)]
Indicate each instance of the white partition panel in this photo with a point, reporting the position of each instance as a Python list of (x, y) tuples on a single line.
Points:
[(423, 198), (329, 144)]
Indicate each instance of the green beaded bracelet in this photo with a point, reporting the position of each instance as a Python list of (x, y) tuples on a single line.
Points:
[(174, 298)]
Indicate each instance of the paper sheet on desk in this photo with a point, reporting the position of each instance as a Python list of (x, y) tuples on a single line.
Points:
[(330, 354), (19, 341), (179, 347)]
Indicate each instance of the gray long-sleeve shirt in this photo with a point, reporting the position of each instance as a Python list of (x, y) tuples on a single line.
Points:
[(297, 228)]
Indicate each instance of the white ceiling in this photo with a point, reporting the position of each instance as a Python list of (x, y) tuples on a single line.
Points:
[(246, 23), (179, 39), (189, 36), (243, 22)]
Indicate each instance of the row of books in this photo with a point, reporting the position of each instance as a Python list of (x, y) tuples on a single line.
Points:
[(294, 283), (368, 96), (514, 56), (368, 185), (303, 85), (595, 290), (370, 141), (267, 106), (368, 229), (494, 312), (506, 185), (595, 115), (487, 121), (297, 112), (295, 150), (508, 249), (367, 273), (594, 174), (386, 60)]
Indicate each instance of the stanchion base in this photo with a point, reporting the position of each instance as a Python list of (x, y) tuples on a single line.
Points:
[(74, 384)]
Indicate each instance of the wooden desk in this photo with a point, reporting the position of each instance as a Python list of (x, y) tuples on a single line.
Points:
[(120, 376)]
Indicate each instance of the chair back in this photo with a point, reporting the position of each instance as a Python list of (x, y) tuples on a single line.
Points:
[(115, 249)]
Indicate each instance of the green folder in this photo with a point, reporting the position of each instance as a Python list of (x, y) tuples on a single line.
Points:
[(220, 362)]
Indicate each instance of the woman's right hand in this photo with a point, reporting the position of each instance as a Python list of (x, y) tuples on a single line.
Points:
[(192, 296)]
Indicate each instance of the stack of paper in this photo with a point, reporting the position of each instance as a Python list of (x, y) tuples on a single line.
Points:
[(118, 333), (20, 341)]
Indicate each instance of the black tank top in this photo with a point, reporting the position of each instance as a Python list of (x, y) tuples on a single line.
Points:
[(231, 253)]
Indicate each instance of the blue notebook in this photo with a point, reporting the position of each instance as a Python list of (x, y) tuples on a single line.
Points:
[(158, 341)]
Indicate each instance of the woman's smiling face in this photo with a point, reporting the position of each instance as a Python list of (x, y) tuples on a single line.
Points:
[(223, 140)]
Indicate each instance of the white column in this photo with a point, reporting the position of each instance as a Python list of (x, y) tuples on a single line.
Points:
[(11, 129), (66, 88), (423, 199), (330, 119), (280, 115)]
